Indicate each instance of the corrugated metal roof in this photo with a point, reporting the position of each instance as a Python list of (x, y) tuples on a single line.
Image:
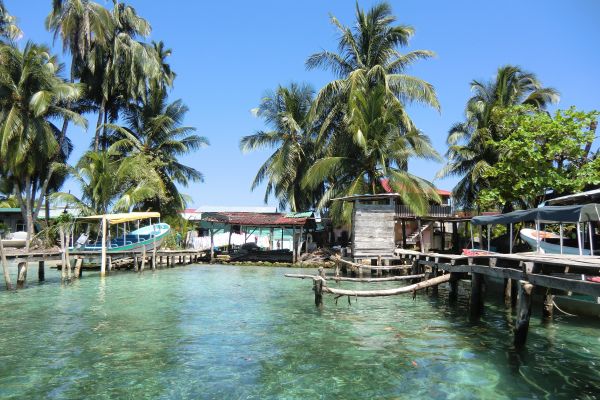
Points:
[(256, 219)]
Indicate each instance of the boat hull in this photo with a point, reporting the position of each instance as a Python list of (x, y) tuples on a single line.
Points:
[(529, 237)]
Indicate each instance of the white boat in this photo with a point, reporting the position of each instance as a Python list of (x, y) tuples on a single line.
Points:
[(16, 240), (549, 242)]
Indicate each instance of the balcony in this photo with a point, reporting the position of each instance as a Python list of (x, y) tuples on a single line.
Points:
[(435, 210)]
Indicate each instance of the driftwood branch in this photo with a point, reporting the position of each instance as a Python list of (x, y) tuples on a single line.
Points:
[(389, 292), (367, 280)]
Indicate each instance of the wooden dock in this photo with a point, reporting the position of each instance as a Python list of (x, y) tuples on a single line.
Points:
[(135, 261), (522, 275)]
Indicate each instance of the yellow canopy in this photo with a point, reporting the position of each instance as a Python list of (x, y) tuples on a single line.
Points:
[(124, 217)]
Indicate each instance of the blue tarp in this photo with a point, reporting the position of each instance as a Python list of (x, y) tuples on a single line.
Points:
[(549, 214)]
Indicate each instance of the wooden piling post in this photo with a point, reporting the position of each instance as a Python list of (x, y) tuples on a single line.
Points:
[(318, 288), (548, 309), (41, 271), (143, 258), (523, 313), (78, 265), (172, 261), (21, 274), (508, 292), (453, 295), (434, 273), (135, 263), (476, 301)]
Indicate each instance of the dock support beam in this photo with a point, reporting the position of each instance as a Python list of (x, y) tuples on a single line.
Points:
[(41, 271), (523, 313), (476, 301), (508, 283)]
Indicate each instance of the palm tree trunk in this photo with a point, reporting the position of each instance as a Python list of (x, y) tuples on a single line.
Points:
[(98, 123), (5, 267), (588, 145)]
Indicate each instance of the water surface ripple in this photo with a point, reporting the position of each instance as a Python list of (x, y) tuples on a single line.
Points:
[(219, 332)]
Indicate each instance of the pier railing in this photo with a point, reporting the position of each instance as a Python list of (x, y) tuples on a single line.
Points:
[(434, 210)]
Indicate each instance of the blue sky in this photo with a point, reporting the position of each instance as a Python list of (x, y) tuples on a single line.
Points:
[(228, 53)]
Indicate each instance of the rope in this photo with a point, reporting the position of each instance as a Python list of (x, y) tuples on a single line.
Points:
[(562, 311)]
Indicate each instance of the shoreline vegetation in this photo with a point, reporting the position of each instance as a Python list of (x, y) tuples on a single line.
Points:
[(352, 136)]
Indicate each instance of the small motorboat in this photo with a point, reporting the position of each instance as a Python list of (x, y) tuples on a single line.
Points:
[(16, 240), (550, 242)]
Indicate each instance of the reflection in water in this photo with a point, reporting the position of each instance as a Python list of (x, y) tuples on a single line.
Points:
[(228, 332)]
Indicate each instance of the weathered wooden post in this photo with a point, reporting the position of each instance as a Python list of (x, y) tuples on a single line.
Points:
[(143, 259), (318, 288), (135, 263), (41, 271), (434, 274), (172, 261), (453, 295), (548, 309), (109, 263), (78, 265), (508, 292), (21, 274), (476, 301), (523, 313)]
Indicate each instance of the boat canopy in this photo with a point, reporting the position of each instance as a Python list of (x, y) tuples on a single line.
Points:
[(124, 217), (549, 214)]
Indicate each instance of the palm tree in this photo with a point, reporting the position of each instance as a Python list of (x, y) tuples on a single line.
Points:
[(470, 142), (363, 125), (32, 95), (372, 44), (154, 130), (378, 150), (120, 67), (8, 25), (109, 183), (286, 112)]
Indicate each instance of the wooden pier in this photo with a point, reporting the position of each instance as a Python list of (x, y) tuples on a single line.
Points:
[(135, 261), (523, 276)]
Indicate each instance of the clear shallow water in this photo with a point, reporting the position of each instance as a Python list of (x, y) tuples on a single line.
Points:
[(244, 332)]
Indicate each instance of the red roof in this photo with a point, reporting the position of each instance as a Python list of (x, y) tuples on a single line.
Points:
[(254, 219), (386, 186)]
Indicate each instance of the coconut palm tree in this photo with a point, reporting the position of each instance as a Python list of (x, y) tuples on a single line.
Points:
[(109, 183), (8, 25), (120, 67), (154, 129), (374, 148), (32, 95), (470, 142), (364, 128), (372, 43), (292, 135)]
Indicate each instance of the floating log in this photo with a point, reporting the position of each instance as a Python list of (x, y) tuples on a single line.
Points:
[(388, 292)]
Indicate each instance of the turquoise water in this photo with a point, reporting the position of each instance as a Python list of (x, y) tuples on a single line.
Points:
[(224, 332)]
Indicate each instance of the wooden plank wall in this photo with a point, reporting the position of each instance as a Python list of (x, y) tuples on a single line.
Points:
[(373, 230)]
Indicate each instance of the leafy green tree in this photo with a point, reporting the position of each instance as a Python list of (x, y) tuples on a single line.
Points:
[(32, 95), (292, 135), (540, 154), (154, 130), (471, 151)]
